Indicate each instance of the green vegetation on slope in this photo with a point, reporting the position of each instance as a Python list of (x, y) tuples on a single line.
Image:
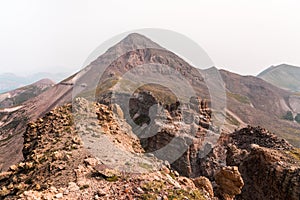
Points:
[(232, 120), (288, 116), (239, 97), (297, 118)]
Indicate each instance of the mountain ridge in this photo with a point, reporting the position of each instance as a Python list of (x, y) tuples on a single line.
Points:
[(20, 95), (284, 76), (11, 81)]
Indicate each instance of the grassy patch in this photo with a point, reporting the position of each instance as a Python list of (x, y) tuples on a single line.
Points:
[(153, 189), (106, 86), (239, 98), (145, 166), (232, 120), (290, 134), (89, 94), (161, 93), (295, 153)]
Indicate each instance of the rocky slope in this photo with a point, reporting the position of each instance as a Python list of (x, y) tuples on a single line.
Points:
[(58, 162), (269, 166), (13, 121), (258, 103)]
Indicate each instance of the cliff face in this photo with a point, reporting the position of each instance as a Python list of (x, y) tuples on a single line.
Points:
[(185, 133), (146, 83), (269, 174)]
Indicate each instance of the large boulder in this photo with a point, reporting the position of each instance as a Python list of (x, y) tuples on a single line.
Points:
[(230, 182)]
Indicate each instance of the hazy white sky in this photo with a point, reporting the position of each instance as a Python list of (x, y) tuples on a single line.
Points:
[(243, 36)]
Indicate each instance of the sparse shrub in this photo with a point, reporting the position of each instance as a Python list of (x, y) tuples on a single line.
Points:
[(297, 118), (288, 116)]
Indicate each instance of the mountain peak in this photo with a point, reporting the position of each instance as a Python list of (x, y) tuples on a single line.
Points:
[(139, 39), (282, 66), (134, 36), (134, 41)]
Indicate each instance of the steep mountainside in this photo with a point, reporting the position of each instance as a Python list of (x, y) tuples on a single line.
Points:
[(20, 95), (283, 76), (13, 122), (134, 49)]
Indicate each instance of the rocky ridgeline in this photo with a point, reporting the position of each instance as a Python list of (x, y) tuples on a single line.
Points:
[(57, 166), (270, 167), (58, 163), (52, 150), (260, 136)]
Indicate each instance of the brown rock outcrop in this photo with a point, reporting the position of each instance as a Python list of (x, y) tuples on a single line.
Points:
[(270, 167), (230, 182), (270, 174)]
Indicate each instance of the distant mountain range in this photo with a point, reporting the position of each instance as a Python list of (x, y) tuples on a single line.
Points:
[(20, 95), (283, 76), (10, 81)]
